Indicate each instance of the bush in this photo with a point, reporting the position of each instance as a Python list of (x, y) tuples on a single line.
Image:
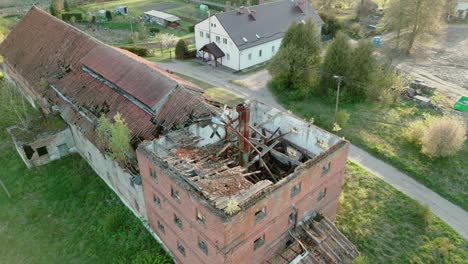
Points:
[(355, 30), (332, 24), (415, 132), (181, 49), (444, 137), (191, 29), (154, 30), (68, 16), (108, 15), (342, 118), (140, 51)]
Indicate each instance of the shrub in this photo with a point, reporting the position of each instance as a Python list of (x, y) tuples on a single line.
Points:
[(108, 15), (154, 30), (444, 137), (415, 132), (342, 118), (191, 29), (181, 49), (332, 24), (69, 16), (140, 51), (355, 30)]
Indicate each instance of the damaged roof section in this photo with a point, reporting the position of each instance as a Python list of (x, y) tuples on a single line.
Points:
[(242, 153), (86, 78)]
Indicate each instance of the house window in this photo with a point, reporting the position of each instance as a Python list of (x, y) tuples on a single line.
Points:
[(272, 49), (295, 189), (201, 34), (259, 242), (175, 194), (218, 39), (202, 245), (181, 248), (250, 56), (322, 194), (156, 200), (42, 151), (153, 174), (326, 168), (224, 40), (178, 221), (207, 35), (259, 215), (260, 53), (200, 217), (228, 57), (161, 227)]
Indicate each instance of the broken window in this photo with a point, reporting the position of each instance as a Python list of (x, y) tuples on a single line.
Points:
[(292, 217), (156, 200), (28, 151), (161, 227), (181, 248), (259, 215), (175, 194), (322, 194), (295, 189), (42, 151), (178, 221), (202, 245), (153, 174), (200, 217), (259, 242), (326, 168)]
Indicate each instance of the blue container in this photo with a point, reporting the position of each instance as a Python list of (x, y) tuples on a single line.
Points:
[(376, 41)]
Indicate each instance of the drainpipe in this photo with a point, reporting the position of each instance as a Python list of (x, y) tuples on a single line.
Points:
[(244, 121)]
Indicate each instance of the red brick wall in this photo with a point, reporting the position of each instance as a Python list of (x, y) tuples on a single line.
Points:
[(240, 232)]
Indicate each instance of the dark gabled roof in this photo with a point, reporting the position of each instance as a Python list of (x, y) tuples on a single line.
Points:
[(271, 22), (212, 48), (90, 78)]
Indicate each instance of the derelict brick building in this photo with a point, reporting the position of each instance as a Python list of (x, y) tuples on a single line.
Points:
[(217, 185)]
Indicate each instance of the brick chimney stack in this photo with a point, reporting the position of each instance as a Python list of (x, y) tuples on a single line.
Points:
[(302, 4)]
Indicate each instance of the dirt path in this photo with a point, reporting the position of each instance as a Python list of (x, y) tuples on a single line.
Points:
[(256, 88)]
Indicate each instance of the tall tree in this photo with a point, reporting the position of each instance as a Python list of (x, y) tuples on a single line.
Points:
[(296, 63), (115, 136), (361, 73), (336, 62), (66, 6)]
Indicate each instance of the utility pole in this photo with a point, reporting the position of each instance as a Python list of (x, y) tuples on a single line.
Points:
[(338, 79)]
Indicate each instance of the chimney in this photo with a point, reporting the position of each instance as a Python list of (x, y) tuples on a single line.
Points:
[(242, 10), (227, 6), (253, 14), (244, 133), (302, 4)]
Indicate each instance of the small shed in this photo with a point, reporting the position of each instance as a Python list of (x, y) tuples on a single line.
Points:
[(121, 10), (161, 18)]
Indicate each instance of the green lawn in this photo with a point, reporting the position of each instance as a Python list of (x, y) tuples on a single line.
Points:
[(378, 129), (64, 213), (389, 227)]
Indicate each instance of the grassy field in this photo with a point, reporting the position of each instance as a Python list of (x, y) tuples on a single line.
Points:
[(379, 130), (389, 227), (64, 213)]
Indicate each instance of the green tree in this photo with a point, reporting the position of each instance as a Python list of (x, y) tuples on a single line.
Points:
[(52, 10), (108, 15), (181, 49), (115, 136), (397, 17), (332, 24), (363, 65), (336, 63), (57, 6), (66, 6), (296, 63)]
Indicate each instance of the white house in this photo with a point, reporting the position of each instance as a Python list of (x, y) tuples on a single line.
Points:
[(248, 36)]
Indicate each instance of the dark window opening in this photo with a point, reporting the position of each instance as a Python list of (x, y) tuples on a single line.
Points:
[(178, 221), (28, 151), (322, 194), (153, 174), (161, 227), (292, 217), (259, 215), (175, 194), (200, 217), (156, 200), (326, 168), (259, 242), (202, 245), (289, 242), (42, 151), (295, 189), (181, 249)]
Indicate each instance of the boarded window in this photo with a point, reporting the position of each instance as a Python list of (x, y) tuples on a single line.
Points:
[(259, 242), (202, 245), (42, 151)]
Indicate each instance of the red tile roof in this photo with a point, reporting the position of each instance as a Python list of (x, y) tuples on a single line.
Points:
[(44, 47)]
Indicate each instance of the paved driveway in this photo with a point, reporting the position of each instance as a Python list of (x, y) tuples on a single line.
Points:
[(254, 86)]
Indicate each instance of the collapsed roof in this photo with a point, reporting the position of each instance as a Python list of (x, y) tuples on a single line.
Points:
[(87, 78), (242, 153)]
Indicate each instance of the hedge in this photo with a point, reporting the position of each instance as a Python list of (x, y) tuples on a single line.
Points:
[(68, 16), (140, 51)]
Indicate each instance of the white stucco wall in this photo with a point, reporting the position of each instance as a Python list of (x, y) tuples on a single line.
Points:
[(268, 52)]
